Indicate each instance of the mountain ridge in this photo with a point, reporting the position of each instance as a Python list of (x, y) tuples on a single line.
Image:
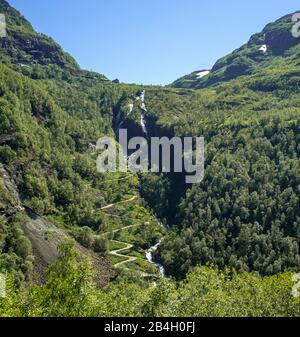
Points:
[(262, 48), (32, 53)]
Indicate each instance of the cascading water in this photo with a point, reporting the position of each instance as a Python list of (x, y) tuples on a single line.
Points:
[(149, 256), (119, 120), (143, 112), (143, 124)]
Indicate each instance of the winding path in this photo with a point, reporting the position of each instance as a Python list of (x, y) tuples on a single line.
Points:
[(117, 252), (120, 202), (129, 258), (127, 246), (119, 230)]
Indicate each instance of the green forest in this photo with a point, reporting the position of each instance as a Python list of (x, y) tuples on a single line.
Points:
[(70, 291), (74, 242)]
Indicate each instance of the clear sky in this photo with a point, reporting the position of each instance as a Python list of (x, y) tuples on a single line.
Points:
[(151, 41)]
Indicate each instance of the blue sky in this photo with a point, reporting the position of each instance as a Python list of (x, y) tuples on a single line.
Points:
[(150, 41)]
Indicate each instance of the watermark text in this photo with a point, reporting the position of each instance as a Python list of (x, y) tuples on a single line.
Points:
[(296, 26), (178, 155), (296, 287), (2, 286), (2, 25)]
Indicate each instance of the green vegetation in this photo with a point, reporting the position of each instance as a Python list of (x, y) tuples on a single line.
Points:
[(232, 242), (46, 141), (70, 292), (15, 251), (51, 115), (245, 214)]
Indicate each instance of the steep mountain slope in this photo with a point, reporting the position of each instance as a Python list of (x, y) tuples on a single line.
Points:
[(37, 254), (24, 46), (52, 114), (245, 214), (272, 46), (37, 55)]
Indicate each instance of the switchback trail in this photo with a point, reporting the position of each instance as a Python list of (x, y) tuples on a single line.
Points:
[(120, 202), (119, 230), (129, 258), (127, 246), (117, 252)]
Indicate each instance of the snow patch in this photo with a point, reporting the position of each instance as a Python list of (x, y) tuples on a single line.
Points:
[(263, 48), (202, 74)]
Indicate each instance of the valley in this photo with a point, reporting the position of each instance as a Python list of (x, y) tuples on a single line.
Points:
[(79, 243)]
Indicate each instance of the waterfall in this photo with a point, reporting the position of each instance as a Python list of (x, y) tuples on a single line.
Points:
[(149, 256), (143, 113), (143, 124), (119, 120)]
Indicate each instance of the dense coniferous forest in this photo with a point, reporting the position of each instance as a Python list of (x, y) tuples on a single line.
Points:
[(73, 241)]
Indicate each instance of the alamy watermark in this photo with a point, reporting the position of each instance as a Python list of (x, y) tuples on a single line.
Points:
[(296, 287), (296, 26), (178, 155), (2, 26), (2, 286)]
